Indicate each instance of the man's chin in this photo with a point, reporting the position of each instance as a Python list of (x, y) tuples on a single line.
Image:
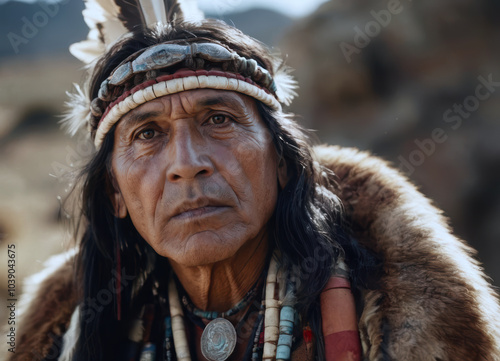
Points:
[(199, 250)]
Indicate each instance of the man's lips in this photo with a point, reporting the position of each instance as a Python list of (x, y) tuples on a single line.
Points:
[(197, 208), (198, 212)]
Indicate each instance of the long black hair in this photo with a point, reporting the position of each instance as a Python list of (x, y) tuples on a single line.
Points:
[(307, 224)]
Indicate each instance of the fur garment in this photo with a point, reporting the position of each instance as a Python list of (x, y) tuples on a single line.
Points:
[(432, 301)]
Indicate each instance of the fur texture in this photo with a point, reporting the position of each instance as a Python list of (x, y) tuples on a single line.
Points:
[(48, 302), (432, 301)]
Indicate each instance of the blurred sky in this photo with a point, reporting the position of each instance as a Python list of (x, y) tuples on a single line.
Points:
[(293, 8)]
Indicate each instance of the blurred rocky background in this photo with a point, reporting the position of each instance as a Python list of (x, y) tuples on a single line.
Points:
[(417, 83)]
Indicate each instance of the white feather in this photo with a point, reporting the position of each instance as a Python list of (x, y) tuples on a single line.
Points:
[(154, 12), (101, 16), (88, 50), (285, 83), (77, 114), (104, 13), (161, 29)]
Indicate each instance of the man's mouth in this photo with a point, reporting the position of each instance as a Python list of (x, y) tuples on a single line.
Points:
[(198, 212)]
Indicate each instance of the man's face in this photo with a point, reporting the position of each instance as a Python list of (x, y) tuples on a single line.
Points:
[(198, 174)]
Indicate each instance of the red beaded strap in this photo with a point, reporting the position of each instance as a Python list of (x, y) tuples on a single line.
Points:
[(337, 282), (343, 346)]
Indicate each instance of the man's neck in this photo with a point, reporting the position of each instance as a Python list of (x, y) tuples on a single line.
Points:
[(220, 286)]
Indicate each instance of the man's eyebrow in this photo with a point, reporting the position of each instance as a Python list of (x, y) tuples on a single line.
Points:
[(221, 100), (139, 117)]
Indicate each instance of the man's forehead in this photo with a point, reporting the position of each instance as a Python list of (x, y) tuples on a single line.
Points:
[(189, 102)]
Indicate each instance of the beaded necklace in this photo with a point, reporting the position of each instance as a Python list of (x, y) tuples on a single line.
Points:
[(277, 317), (211, 315)]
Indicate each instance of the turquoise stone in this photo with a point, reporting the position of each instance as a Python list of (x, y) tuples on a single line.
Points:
[(287, 314)]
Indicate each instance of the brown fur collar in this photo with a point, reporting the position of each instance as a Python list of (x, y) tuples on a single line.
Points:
[(47, 303), (433, 302)]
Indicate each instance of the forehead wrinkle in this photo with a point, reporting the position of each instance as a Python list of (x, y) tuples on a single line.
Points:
[(153, 109), (224, 100)]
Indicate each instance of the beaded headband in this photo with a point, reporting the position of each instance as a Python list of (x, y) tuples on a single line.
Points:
[(115, 100)]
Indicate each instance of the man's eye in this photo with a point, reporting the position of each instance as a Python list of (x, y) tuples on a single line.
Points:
[(146, 134), (219, 119)]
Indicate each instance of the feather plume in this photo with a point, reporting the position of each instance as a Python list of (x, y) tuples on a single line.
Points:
[(77, 113), (105, 27), (110, 20), (285, 83)]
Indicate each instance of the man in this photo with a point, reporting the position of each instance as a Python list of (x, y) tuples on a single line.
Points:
[(213, 231)]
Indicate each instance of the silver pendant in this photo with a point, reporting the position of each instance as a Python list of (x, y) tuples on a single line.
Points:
[(218, 340)]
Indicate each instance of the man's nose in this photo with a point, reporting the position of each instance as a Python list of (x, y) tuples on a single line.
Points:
[(189, 155)]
